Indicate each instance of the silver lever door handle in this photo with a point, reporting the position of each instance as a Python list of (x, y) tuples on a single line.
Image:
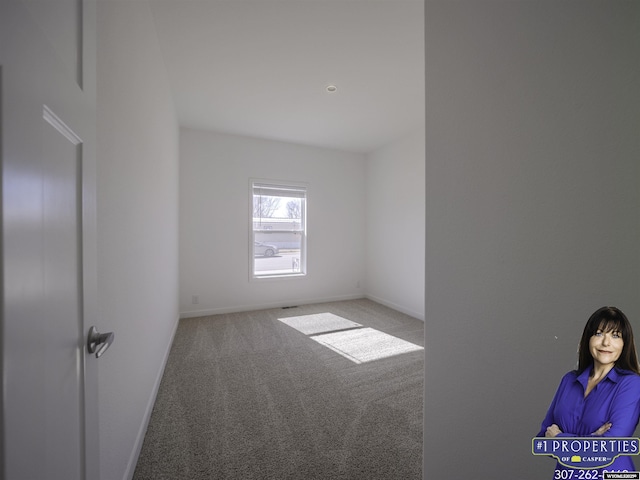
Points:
[(98, 342)]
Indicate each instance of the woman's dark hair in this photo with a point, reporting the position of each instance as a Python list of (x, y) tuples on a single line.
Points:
[(609, 319)]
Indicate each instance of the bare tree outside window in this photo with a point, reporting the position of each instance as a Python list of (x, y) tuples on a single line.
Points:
[(265, 206), (293, 209)]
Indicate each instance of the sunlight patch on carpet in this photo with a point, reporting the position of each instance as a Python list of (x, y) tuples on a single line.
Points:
[(365, 344), (319, 323)]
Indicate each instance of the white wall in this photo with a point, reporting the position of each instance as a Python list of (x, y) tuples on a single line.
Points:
[(532, 215), (214, 225), (395, 225), (137, 226)]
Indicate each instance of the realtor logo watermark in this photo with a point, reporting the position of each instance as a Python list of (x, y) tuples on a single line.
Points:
[(587, 452)]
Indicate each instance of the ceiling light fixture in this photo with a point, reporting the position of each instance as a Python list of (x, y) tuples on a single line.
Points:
[(331, 88)]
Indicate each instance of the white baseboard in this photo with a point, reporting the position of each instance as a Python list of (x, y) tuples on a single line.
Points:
[(395, 306), (133, 460), (263, 306)]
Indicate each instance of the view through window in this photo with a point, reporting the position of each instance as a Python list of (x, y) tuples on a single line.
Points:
[(278, 233)]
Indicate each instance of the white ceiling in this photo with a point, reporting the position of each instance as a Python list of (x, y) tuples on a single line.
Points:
[(261, 67)]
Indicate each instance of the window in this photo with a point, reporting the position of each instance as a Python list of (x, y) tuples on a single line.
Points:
[(278, 229)]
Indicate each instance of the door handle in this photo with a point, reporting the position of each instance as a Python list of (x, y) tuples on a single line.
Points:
[(98, 342)]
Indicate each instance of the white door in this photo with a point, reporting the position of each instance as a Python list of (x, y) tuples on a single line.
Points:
[(47, 138)]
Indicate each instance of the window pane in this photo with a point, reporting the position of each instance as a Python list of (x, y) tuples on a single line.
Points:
[(278, 229)]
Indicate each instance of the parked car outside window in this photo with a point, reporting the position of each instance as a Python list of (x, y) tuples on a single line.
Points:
[(264, 249)]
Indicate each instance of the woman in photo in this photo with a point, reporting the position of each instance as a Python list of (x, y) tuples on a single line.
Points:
[(601, 397)]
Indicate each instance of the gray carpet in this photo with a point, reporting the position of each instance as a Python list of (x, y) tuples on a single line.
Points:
[(248, 396)]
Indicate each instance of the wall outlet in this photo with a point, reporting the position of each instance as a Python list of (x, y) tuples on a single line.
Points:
[(195, 299)]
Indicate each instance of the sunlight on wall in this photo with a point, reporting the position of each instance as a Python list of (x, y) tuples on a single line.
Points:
[(350, 339)]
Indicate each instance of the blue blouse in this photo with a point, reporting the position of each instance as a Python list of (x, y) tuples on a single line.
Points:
[(615, 399)]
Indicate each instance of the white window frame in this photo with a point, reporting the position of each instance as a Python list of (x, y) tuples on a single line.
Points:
[(296, 190)]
